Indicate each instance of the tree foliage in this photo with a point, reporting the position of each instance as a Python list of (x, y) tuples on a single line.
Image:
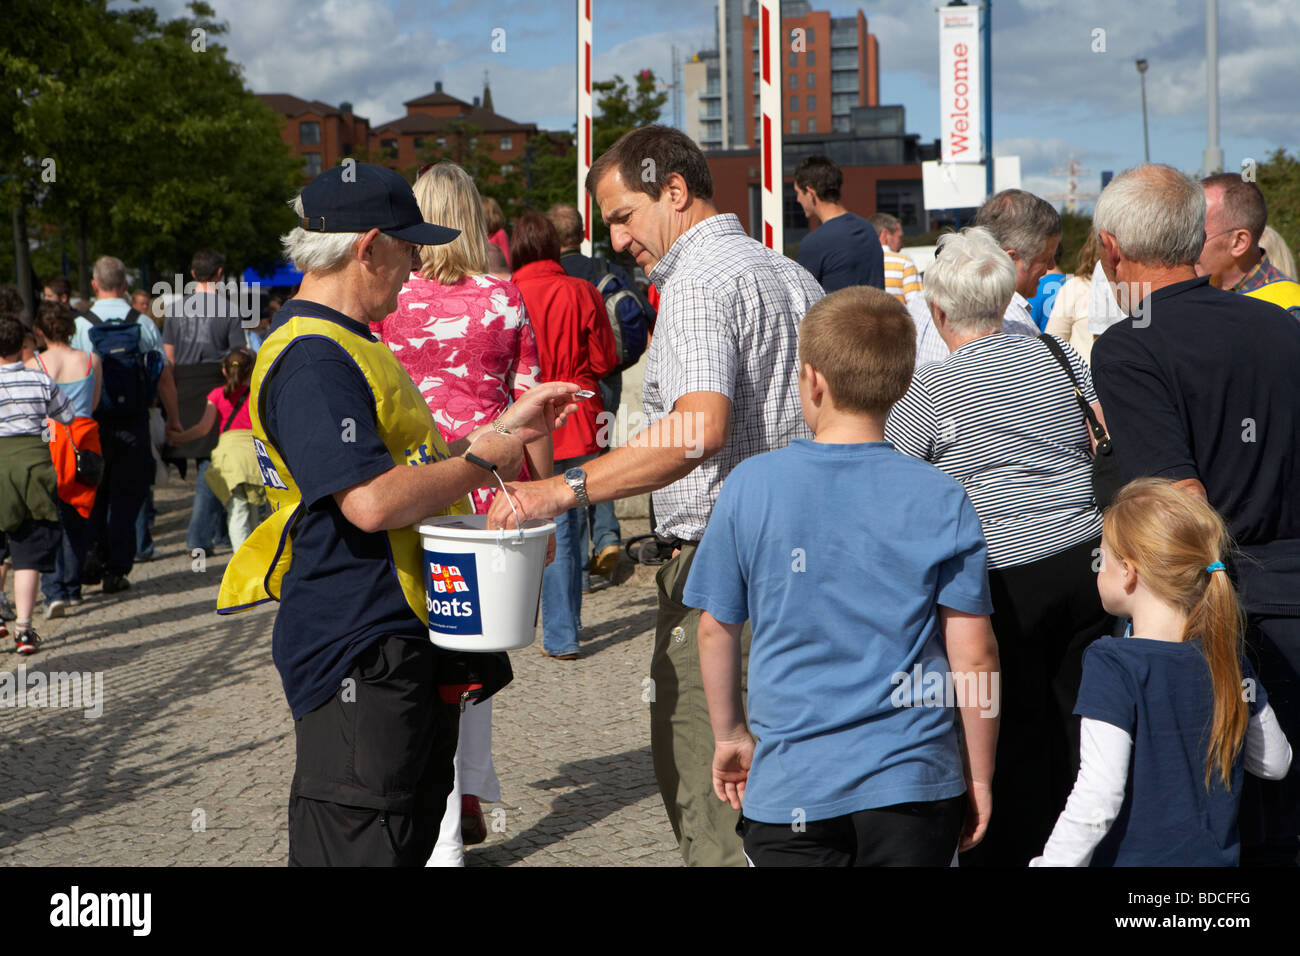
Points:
[(1278, 178), (142, 130)]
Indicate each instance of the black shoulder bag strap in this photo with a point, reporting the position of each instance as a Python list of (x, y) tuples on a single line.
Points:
[(234, 411), (1098, 430)]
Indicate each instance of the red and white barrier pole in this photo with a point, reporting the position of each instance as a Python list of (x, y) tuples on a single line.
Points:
[(584, 120), (772, 46)]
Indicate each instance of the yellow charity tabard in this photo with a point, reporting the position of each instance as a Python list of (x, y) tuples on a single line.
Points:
[(1285, 294), (406, 427)]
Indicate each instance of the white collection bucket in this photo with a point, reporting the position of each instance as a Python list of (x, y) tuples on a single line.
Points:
[(484, 588)]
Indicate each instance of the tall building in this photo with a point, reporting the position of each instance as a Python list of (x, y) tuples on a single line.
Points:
[(702, 88), (836, 68), (429, 118), (321, 134)]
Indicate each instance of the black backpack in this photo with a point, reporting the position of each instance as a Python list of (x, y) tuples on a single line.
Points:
[(130, 374)]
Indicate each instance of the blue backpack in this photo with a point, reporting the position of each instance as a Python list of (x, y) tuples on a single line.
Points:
[(627, 317), (130, 374)]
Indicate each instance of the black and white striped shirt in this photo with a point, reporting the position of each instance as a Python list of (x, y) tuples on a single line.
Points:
[(999, 415), (27, 398)]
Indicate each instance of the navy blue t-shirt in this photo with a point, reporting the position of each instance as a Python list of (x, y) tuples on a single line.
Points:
[(842, 252), (1159, 692), (340, 593)]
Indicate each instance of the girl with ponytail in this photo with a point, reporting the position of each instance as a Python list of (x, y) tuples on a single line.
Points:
[(233, 474), (1172, 714)]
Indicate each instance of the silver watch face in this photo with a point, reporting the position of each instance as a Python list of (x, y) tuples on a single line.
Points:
[(575, 474)]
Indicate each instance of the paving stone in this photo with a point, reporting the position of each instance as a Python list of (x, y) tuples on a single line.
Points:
[(194, 718)]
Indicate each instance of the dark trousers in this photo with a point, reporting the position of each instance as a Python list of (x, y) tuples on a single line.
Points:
[(64, 582), (128, 476), (1269, 820), (374, 763), (906, 834), (1044, 615), (681, 737)]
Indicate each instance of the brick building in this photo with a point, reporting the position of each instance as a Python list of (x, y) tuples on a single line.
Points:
[(837, 69), (321, 134), (429, 119)]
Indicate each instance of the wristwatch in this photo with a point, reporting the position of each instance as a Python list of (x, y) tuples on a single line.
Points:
[(576, 478)]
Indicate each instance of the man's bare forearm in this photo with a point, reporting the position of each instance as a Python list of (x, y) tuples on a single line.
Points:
[(406, 494)]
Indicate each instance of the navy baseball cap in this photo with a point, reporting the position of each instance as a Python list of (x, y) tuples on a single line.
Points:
[(358, 197)]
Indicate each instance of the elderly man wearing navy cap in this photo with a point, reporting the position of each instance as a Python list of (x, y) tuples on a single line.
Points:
[(337, 425)]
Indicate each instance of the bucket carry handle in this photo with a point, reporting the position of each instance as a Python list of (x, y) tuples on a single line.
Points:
[(519, 525)]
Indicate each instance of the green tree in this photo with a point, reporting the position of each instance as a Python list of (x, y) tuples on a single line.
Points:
[(620, 108), (158, 147), (1278, 178)]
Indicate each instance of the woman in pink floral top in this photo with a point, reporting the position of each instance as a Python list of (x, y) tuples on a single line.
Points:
[(464, 338), (466, 344)]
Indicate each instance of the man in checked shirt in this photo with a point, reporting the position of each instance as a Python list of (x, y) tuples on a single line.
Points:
[(721, 384)]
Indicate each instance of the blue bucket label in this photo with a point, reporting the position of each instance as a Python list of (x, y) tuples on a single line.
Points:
[(451, 588)]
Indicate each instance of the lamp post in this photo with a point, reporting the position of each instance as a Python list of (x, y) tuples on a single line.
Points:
[(1142, 78)]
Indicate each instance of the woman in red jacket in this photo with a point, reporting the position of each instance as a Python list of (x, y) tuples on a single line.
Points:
[(575, 344)]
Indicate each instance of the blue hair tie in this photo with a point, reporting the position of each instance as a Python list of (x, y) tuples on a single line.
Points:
[(1216, 566)]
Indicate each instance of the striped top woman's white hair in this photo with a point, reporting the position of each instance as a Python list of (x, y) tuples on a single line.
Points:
[(971, 279)]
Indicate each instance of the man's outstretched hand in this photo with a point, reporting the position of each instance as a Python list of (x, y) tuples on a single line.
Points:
[(540, 410), (532, 499)]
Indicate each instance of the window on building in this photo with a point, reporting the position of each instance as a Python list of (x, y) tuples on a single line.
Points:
[(309, 134), (901, 198), (844, 80), (794, 58), (388, 148), (506, 169), (812, 103), (812, 81), (311, 164), (442, 141), (810, 58), (794, 81), (794, 126), (840, 124), (794, 104), (811, 34), (843, 102), (812, 125), (506, 142), (844, 59), (756, 82), (419, 142)]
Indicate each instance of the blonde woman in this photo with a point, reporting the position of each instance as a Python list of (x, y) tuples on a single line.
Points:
[(1278, 252), (1071, 319), (464, 338)]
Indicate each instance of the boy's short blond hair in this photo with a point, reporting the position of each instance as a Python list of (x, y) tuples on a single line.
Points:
[(863, 342)]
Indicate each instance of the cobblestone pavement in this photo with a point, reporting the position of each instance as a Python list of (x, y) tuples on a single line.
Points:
[(190, 761)]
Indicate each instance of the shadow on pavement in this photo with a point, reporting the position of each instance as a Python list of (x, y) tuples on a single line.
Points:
[(605, 785)]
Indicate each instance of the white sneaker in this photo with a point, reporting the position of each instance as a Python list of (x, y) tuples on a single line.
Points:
[(55, 609)]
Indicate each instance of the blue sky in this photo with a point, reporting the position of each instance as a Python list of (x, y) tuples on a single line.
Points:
[(1054, 97)]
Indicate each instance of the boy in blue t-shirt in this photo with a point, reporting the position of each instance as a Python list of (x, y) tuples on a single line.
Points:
[(862, 573)]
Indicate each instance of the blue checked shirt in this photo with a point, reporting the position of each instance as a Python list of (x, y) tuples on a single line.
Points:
[(728, 322)]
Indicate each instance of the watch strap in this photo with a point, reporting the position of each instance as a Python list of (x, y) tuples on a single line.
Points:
[(474, 459)]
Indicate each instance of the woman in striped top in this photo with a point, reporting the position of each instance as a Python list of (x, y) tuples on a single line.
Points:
[(999, 414)]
